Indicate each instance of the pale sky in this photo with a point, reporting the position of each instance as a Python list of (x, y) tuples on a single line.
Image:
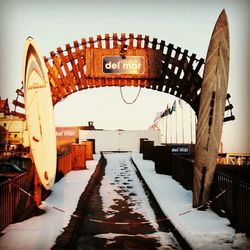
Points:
[(187, 24)]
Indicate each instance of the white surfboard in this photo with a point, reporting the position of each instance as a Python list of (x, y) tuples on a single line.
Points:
[(39, 114)]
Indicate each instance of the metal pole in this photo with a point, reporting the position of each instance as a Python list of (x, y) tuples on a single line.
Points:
[(191, 125), (171, 128), (166, 136), (176, 124), (182, 123)]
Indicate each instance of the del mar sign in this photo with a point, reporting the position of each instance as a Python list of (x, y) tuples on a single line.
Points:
[(119, 65), (136, 63)]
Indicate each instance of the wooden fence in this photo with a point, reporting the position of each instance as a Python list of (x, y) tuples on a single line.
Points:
[(14, 202)]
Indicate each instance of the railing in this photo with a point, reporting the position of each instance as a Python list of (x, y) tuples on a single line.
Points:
[(182, 171), (233, 204), (13, 201)]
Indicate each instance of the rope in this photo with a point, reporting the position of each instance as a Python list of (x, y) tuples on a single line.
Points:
[(125, 223), (133, 100)]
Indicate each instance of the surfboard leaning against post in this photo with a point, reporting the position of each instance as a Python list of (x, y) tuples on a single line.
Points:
[(211, 110), (39, 113)]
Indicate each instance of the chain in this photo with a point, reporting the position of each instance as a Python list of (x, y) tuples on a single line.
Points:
[(133, 100)]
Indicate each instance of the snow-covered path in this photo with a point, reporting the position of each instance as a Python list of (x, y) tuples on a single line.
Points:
[(120, 214)]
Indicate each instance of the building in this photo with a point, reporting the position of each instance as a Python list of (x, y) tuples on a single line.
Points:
[(4, 107), (13, 130), (65, 136)]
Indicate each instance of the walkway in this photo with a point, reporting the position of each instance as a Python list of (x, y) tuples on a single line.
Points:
[(119, 215)]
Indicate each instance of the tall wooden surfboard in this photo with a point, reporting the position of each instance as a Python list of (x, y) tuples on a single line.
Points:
[(211, 110), (39, 114)]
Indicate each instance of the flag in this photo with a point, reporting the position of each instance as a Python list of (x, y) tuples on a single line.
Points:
[(166, 112), (173, 107), (158, 116), (155, 126), (180, 102)]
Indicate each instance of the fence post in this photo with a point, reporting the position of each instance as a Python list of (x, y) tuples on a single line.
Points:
[(235, 203), (37, 188)]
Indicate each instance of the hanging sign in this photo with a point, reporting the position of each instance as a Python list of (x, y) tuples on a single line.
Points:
[(135, 63)]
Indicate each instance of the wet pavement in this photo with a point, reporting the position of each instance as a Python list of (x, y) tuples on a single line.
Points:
[(119, 213)]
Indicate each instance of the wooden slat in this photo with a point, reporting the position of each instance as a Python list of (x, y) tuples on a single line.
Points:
[(162, 45), (181, 62), (84, 44), (63, 85), (107, 43), (154, 85), (165, 67), (54, 74), (146, 39), (91, 42), (21, 115), (99, 41), (69, 75), (187, 67), (199, 65), (131, 40), (19, 104), (20, 92), (54, 92), (115, 41), (123, 39), (173, 67), (81, 64), (194, 80), (139, 40), (154, 43), (74, 78)]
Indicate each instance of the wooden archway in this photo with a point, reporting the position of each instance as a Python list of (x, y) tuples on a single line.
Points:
[(174, 70)]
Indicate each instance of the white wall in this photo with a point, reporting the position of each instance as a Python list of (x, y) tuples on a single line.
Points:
[(110, 140)]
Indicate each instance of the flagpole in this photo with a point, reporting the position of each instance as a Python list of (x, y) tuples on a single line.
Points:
[(182, 118), (191, 125), (176, 139), (170, 128), (165, 127)]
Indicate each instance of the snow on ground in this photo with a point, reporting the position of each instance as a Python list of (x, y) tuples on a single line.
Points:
[(119, 166), (162, 238), (120, 177), (41, 232), (201, 229)]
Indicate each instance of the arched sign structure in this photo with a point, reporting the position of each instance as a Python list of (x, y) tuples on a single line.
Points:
[(123, 60), (165, 68)]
